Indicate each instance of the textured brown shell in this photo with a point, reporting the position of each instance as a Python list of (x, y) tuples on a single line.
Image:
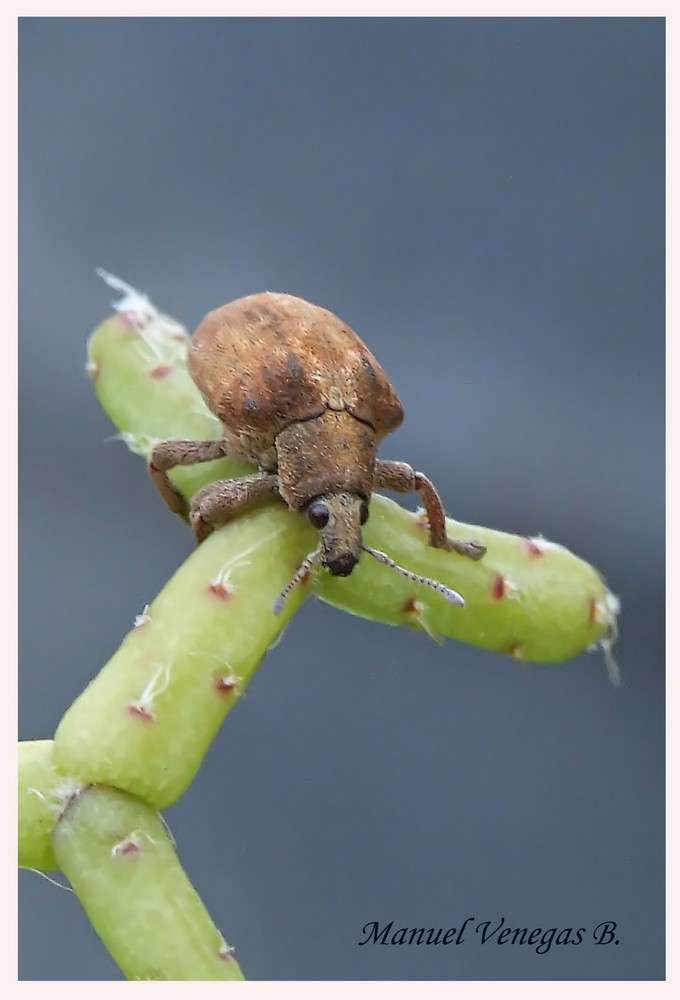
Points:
[(270, 360)]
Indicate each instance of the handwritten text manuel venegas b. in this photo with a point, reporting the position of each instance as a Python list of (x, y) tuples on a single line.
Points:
[(487, 932)]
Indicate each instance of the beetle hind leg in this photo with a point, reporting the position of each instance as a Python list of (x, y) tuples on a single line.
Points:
[(167, 454), (400, 477)]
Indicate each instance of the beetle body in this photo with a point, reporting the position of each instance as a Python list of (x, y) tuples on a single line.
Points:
[(299, 395)]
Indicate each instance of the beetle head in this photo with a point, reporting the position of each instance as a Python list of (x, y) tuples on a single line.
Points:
[(338, 518)]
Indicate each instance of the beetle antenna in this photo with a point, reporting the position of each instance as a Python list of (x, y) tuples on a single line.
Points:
[(450, 595), (302, 572)]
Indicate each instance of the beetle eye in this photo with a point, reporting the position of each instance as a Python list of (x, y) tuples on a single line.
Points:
[(317, 513), (363, 513)]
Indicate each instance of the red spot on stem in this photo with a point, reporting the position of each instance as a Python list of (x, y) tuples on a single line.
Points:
[(225, 685), (129, 319), (498, 587), (219, 590), (532, 548), (126, 846), (140, 712), (161, 370), (410, 606)]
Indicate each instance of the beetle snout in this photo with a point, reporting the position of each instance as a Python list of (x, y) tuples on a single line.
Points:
[(343, 564), (338, 517)]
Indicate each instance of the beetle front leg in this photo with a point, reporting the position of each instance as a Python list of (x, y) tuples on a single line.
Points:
[(167, 454), (218, 502), (400, 477)]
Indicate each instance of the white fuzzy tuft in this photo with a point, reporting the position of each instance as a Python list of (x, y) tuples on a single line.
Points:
[(142, 619), (60, 796), (138, 444), (607, 613), (165, 339), (545, 545), (156, 686)]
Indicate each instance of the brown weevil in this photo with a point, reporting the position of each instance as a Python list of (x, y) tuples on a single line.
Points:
[(300, 396)]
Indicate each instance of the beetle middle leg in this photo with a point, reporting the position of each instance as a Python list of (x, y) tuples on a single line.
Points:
[(217, 503), (167, 454), (400, 477)]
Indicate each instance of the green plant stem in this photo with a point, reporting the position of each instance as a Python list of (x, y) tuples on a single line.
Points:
[(147, 719), (41, 796), (118, 857)]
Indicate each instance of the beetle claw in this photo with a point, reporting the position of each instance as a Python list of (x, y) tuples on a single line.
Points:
[(470, 548)]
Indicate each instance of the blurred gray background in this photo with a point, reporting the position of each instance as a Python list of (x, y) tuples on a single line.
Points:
[(483, 201)]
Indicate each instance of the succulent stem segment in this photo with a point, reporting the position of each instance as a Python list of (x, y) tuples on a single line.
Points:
[(147, 719), (117, 855), (42, 794)]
